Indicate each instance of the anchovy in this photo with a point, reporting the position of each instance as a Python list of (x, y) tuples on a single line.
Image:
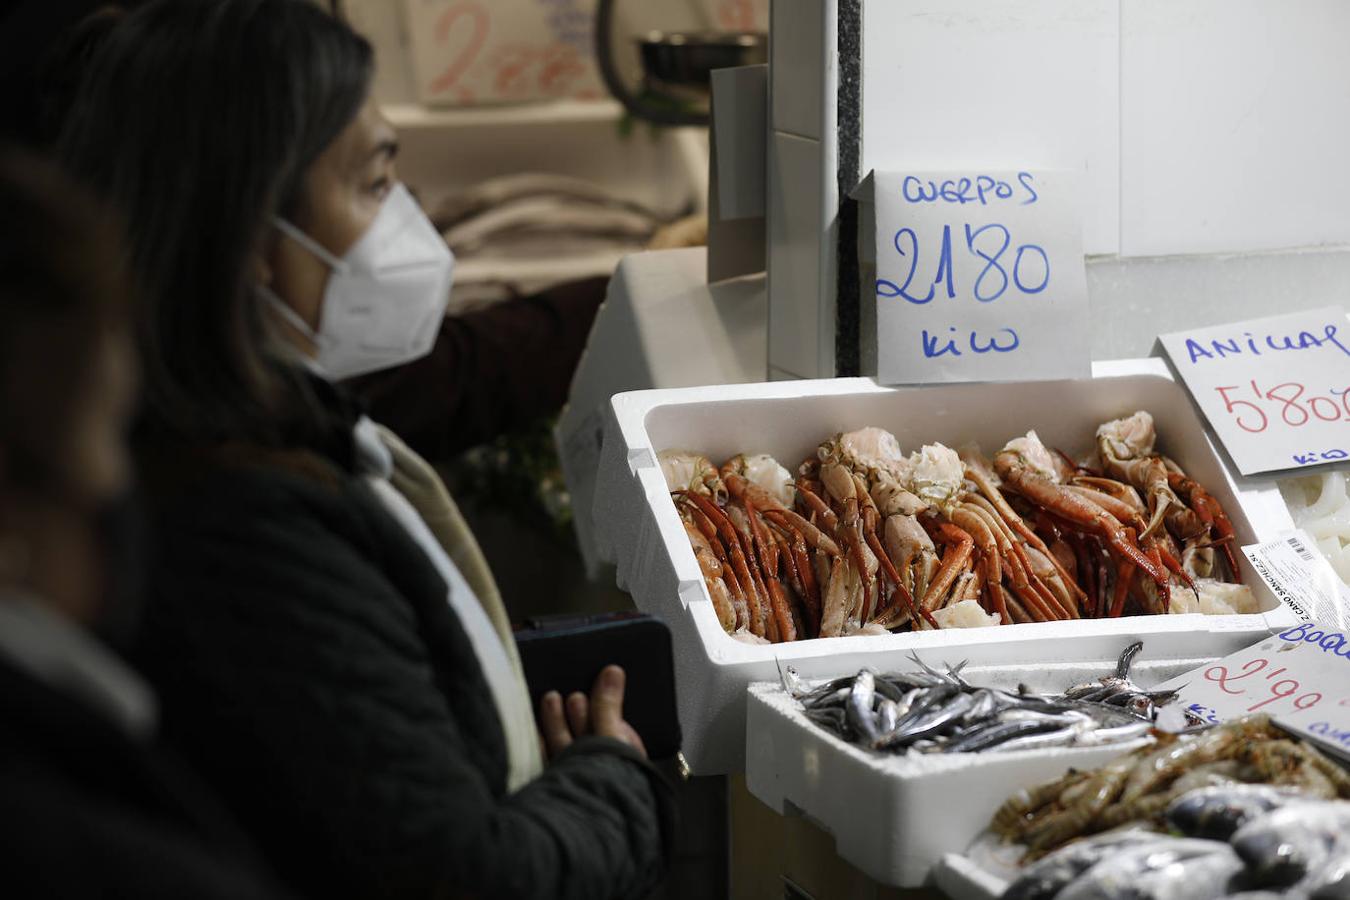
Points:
[(939, 711), (890, 688), (831, 719), (998, 734), (858, 710), (888, 716), (825, 701), (934, 722)]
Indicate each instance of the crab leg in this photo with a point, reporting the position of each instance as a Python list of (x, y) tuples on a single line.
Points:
[(1211, 513), (870, 517), (1124, 577), (768, 557), (800, 617), (738, 597), (1025, 582), (835, 602), (1118, 509), (1043, 608), (1015, 610), (1082, 512), (1087, 570), (838, 483), (995, 498), (810, 587), (711, 567), (732, 538), (775, 511), (957, 553)]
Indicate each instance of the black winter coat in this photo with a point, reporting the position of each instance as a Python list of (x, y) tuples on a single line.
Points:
[(88, 812), (310, 666)]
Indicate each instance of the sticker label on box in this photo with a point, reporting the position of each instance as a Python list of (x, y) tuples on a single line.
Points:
[(1301, 578)]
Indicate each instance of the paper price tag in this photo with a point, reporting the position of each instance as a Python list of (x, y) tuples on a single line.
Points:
[(1276, 390), (1301, 578), (1300, 677), (979, 277)]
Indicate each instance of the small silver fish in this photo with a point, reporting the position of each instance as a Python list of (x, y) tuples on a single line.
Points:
[(1165, 869), (1330, 882), (1046, 877), (888, 714), (1283, 845), (858, 709), (1217, 812)]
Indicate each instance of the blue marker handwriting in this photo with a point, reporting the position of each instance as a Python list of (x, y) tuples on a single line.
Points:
[(1004, 340), (1333, 642), (1330, 733), (1030, 270), (1265, 344), (1313, 459), (981, 189)]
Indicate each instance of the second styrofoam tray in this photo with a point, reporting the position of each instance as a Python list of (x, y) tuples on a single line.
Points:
[(637, 527), (896, 816)]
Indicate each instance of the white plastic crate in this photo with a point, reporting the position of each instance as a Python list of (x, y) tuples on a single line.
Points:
[(896, 816), (637, 527)]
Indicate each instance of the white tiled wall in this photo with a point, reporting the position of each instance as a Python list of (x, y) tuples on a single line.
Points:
[(802, 191), (1203, 127)]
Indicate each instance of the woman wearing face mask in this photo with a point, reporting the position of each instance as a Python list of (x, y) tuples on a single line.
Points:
[(88, 805), (341, 670)]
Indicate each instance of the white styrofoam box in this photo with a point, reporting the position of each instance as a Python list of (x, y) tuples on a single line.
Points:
[(801, 326), (1234, 114), (661, 325), (638, 528), (960, 878), (895, 816), (961, 84), (797, 66)]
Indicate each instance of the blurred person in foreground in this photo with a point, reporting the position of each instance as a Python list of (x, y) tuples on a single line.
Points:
[(329, 646), (89, 805)]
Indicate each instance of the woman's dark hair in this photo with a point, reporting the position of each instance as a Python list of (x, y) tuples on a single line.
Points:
[(196, 120), (62, 290)]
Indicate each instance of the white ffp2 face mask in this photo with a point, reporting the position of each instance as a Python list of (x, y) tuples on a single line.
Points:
[(385, 297)]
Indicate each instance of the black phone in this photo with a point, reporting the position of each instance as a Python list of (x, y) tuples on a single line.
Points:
[(565, 653)]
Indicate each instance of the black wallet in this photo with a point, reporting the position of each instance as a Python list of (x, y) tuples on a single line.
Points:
[(565, 653)]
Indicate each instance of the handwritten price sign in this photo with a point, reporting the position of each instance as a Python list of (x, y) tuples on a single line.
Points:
[(979, 277), (1298, 676), (1275, 390)]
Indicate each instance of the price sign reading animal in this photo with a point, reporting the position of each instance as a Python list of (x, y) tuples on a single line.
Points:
[(1276, 391), (979, 277), (1300, 677)]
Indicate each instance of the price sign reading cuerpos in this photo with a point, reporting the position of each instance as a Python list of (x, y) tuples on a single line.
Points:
[(1300, 677), (1275, 390), (979, 277)]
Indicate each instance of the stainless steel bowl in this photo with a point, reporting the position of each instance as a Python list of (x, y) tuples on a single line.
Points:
[(688, 58)]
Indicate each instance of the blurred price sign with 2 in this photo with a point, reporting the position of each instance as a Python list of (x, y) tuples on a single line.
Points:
[(979, 276), (1275, 390)]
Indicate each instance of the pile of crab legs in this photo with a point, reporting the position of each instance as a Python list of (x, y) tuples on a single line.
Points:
[(865, 539)]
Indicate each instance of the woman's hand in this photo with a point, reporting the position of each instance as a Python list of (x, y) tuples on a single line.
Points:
[(601, 713)]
